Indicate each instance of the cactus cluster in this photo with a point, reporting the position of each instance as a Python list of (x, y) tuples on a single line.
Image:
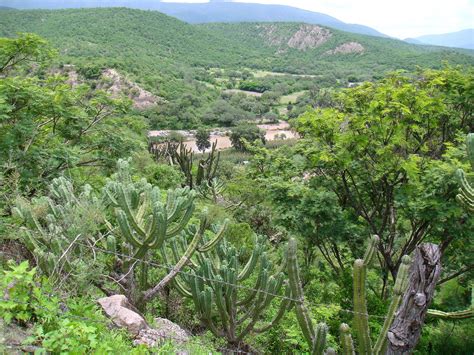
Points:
[(54, 225), (466, 191), (179, 154), (216, 288), (316, 336), (147, 224)]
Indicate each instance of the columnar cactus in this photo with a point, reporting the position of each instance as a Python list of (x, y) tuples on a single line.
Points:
[(179, 154), (315, 337), (466, 192), (364, 343), (215, 282), (146, 224), (361, 320)]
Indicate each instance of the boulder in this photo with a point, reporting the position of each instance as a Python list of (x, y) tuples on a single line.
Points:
[(117, 308), (163, 330)]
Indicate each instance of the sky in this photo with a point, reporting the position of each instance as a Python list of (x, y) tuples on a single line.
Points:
[(396, 18)]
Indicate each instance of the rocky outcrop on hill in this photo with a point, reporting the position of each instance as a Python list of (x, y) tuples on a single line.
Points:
[(346, 48), (115, 84), (309, 36), (306, 37)]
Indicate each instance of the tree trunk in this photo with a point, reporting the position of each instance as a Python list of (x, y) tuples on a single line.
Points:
[(425, 271)]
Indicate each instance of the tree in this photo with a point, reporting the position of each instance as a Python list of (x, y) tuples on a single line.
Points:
[(47, 126), (203, 139), (387, 152), (246, 132)]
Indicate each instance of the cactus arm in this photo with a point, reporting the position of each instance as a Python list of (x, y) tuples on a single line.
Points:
[(181, 288), (302, 315), (285, 305), (347, 345), (360, 308), (465, 314), (178, 227), (470, 148), (320, 342), (177, 268), (126, 229), (217, 238), (124, 206), (371, 250), (250, 266), (398, 290)]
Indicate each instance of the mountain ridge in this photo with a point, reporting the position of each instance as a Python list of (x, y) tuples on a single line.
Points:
[(208, 12), (458, 39)]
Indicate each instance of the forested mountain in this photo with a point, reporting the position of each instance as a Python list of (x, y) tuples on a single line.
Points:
[(206, 12), (155, 48), (459, 39)]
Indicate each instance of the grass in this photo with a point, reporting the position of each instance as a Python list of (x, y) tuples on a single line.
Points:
[(291, 98)]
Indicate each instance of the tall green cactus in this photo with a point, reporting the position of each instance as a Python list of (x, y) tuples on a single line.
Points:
[(147, 223), (56, 225), (364, 343), (216, 280), (316, 338), (466, 191)]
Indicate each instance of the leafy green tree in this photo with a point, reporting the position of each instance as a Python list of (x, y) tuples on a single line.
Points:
[(47, 126), (203, 141), (246, 132), (387, 152)]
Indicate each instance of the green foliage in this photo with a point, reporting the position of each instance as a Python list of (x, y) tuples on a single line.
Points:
[(57, 225), (16, 284), (48, 127), (25, 49), (246, 132), (203, 139), (80, 329), (384, 141)]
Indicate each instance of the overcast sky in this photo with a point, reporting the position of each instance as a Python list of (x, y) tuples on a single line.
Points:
[(397, 18)]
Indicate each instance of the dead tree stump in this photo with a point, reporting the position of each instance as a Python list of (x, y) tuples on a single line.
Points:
[(425, 271)]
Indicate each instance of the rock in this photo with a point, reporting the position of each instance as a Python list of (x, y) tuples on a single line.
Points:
[(164, 330), (117, 308), (347, 48)]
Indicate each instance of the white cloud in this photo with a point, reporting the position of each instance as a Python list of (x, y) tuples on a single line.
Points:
[(401, 18)]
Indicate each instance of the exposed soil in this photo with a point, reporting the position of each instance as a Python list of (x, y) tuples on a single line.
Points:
[(272, 132)]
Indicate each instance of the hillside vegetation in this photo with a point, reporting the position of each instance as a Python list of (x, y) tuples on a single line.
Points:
[(352, 226)]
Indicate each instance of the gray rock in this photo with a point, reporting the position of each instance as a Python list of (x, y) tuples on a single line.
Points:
[(163, 330)]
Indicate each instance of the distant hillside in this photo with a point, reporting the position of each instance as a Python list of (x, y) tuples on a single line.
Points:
[(323, 49), (162, 53), (206, 12), (460, 39)]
